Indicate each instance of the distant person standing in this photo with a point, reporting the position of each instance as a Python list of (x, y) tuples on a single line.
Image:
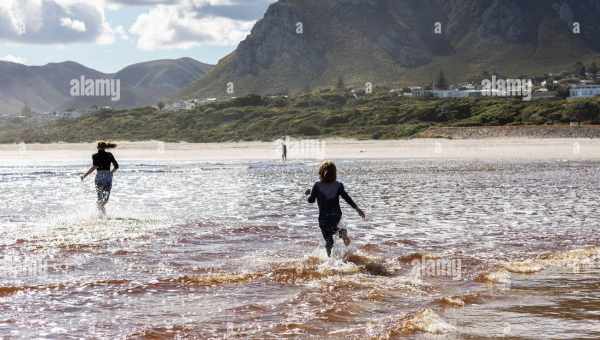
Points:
[(283, 151), (101, 162)]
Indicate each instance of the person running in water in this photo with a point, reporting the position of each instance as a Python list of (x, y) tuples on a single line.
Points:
[(101, 162), (327, 193)]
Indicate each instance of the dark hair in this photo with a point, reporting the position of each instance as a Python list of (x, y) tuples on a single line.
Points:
[(105, 145), (328, 172)]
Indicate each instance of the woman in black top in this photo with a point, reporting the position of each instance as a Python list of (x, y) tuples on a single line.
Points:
[(327, 193), (101, 164)]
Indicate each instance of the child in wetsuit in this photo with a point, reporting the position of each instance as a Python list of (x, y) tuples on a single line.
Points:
[(327, 193)]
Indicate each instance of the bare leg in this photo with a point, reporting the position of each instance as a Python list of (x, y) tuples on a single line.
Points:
[(102, 209), (103, 196), (344, 236)]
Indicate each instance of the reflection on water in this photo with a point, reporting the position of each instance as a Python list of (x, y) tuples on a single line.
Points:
[(451, 249)]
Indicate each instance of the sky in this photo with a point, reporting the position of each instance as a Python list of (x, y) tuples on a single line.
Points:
[(108, 35)]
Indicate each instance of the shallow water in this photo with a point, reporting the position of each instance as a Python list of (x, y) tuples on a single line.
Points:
[(197, 250)]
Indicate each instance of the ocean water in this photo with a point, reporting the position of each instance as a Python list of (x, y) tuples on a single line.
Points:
[(451, 249)]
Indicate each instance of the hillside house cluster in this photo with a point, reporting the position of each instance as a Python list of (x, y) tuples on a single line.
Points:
[(577, 89), (584, 91), (189, 104)]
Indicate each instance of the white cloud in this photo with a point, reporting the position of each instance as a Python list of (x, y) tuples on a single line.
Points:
[(110, 35), (75, 25), (180, 26), (13, 59), (166, 24), (121, 32), (52, 21), (145, 2), (114, 6)]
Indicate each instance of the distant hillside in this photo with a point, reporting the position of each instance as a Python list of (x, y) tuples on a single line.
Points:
[(393, 42), (46, 88), (325, 114), (42, 88)]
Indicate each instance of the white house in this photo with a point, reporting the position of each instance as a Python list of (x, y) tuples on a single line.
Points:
[(417, 91), (189, 104), (65, 114), (584, 91), (455, 93)]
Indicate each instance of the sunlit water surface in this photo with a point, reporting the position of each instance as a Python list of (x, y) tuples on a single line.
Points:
[(232, 250)]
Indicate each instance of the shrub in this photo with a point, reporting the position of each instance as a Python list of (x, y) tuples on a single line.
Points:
[(307, 129)]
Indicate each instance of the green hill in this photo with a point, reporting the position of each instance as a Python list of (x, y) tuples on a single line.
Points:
[(324, 114)]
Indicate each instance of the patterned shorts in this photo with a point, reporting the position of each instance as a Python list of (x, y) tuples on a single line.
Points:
[(103, 185)]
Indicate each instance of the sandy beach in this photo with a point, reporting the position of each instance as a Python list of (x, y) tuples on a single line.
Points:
[(491, 148)]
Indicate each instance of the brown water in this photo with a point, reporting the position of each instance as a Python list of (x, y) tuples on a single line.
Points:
[(451, 249)]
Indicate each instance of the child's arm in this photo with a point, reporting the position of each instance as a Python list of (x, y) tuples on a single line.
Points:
[(349, 200), (92, 169), (312, 194), (114, 163)]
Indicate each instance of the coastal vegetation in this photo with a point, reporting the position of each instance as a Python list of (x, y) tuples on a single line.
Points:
[(326, 113)]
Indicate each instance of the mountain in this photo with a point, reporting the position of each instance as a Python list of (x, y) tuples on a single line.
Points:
[(46, 88), (42, 88), (392, 42)]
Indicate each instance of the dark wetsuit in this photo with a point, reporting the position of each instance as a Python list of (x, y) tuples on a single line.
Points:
[(102, 160), (327, 196)]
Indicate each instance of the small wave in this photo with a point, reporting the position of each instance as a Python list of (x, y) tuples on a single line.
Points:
[(501, 276), (340, 285), (425, 321), (399, 242), (286, 273), (5, 291), (307, 271), (78, 248), (214, 279), (376, 295), (109, 282), (461, 300), (248, 309), (9, 290), (451, 301), (573, 257), (369, 265), (172, 332), (568, 258), (123, 252), (523, 267), (339, 312), (291, 329), (251, 229), (417, 256), (371, 248)]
